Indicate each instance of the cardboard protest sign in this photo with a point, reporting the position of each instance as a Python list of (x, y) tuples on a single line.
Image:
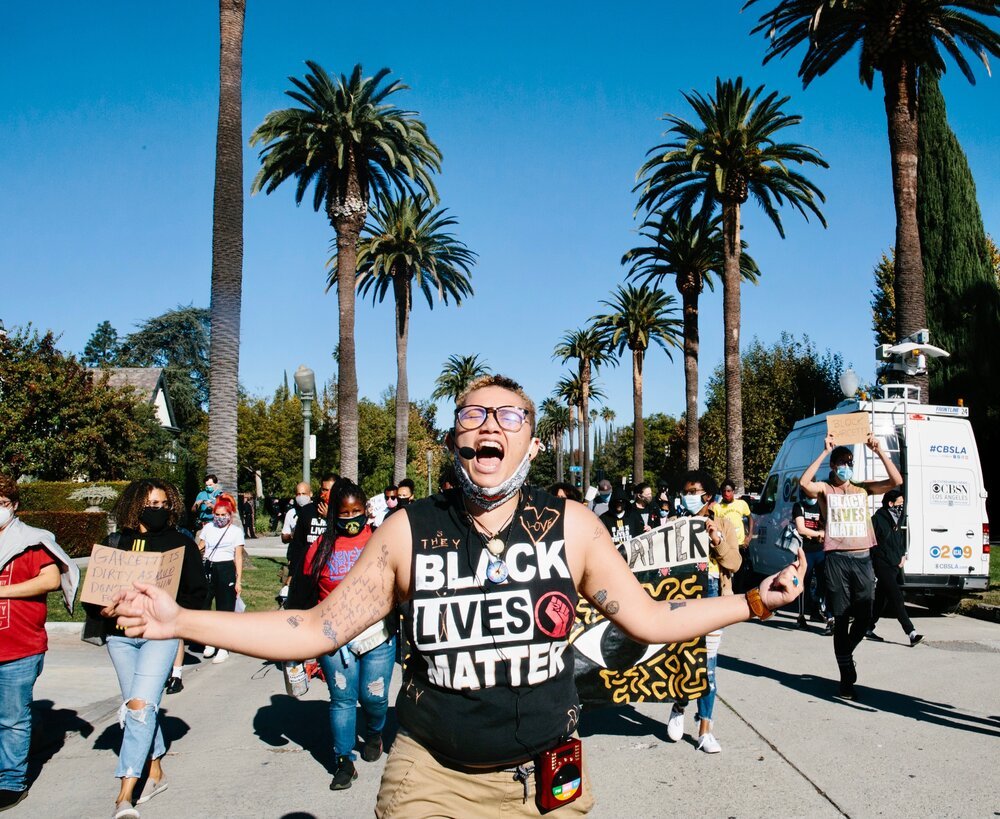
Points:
[(112, 570), (378, 507), (853, 428), (671, 562)]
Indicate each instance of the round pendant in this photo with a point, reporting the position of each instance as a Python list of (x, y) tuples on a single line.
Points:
[(497, 572), (495, 546)]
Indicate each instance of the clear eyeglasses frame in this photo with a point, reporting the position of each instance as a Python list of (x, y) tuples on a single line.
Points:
[(473, 416)]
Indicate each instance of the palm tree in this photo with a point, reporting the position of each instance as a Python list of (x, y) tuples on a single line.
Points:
[(457, 373), (898, 39), (639, 317), (588, 347), (227, 249), (728, 156), (570, 389), (406, 245), (608, 416), (690, 252), (553, 421), (348, 143)]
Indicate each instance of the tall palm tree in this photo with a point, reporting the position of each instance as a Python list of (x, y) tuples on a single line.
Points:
[(348, 144), (639, 316), (457, 373), (227, 249), (608, 416), (553, 421), (898, 39), (406, 245), (690, 252), (588, 347), (570, 389), (729, 155)]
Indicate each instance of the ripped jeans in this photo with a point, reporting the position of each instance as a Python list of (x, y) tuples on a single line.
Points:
[(352, 680), (142, 667)]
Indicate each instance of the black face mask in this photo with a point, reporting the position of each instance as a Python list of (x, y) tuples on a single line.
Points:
[(155, 520), (351, 526), (403, 501)]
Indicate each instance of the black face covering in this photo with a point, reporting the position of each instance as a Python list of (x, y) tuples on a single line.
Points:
[(351, 526), (155, 520), (403, 501)]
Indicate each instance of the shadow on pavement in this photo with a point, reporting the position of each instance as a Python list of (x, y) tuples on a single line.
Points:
[(623, 721), (173, 729), (50, 727), (890, 702)]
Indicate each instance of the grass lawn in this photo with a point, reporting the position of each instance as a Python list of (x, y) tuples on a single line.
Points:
[(260, 585)]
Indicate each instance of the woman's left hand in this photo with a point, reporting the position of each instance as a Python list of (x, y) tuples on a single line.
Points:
[(782, 588), (239, 588)]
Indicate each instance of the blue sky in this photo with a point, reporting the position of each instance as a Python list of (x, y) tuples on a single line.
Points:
[(544, 113)]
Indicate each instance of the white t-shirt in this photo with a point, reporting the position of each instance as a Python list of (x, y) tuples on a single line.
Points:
[(291, 516), (220, 544)]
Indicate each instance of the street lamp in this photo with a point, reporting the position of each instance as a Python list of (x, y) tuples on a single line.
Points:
[(430, 464), (305, 385)]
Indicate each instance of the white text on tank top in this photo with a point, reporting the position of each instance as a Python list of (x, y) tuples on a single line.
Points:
[(847, 521)]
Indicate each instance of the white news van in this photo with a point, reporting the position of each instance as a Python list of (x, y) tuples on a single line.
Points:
[(945, 500)]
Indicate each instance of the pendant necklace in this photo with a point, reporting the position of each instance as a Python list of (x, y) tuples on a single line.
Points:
[(496, 571)]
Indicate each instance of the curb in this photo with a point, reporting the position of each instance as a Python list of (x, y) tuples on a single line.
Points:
[(983, 611)]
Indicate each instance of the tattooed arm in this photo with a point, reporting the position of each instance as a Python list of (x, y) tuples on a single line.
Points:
[(606, 581), (368, 593)]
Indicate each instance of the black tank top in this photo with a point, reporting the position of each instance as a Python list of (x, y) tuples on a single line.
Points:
[(489, 676)]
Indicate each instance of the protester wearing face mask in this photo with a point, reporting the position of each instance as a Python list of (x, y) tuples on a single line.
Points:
[(221, 542), (736, 510), (697, 492), (310, 523), (622, 520), (205, 500), (603, 497), (850, 579), (303, 497), (359, 672), (809, 524), (147, 515), (888, 558)]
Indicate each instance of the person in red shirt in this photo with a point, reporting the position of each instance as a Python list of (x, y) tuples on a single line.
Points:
[(360, 671), (27, 574)]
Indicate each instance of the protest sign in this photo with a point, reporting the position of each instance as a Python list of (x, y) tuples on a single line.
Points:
[(853, 428), (112, 570), (671, 562), (378, 507)]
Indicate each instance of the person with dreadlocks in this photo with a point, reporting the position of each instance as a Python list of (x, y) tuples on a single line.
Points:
[(147, 513), (360, 671)]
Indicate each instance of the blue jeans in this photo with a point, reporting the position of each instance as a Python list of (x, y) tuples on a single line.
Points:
[(17, 679), (352, 680), (142, 667), (706, 702)]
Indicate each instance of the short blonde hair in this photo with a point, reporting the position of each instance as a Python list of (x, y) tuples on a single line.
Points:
[(505, 383)]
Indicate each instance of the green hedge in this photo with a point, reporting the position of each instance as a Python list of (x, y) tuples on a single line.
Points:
[(53, 496), (76, 532)]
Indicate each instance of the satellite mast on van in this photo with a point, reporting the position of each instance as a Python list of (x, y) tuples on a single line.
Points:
[(909, 356)]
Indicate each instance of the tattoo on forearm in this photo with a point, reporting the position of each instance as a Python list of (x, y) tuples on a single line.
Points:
[(383, 559), (295, 621), (612, 607), (598, 531), (329, 632), (674, 605), (600, 596)]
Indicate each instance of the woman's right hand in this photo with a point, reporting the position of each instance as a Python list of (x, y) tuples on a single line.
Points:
[(146, 611)]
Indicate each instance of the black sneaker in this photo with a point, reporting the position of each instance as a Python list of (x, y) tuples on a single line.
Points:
[(846, 691), (344, 775), (802, 622), (828, 631), (372, 749), (871, 635), (175, 685), (10, 798), (916, 638)]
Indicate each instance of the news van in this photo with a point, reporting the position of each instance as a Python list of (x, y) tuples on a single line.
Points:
[(947, 531)]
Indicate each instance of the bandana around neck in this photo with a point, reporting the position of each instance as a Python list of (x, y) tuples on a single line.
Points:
[(489, 498)]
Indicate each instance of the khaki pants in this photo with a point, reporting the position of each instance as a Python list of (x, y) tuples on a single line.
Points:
[(416, 786)]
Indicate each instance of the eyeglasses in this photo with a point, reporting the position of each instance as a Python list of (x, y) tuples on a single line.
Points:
[(158, 505), (473, 417)]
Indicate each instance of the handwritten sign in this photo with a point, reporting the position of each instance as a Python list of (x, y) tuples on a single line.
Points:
[(113, 570), (853, 428)]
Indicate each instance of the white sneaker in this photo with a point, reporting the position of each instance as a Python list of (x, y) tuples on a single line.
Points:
[(675, 725), (709, 744), (208, 652), (220, 657)]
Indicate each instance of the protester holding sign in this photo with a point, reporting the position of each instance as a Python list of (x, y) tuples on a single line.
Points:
[(850, 580), (490, 574), (147, 513)]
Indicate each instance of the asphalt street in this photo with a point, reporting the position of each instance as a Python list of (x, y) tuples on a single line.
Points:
[(921, 741)]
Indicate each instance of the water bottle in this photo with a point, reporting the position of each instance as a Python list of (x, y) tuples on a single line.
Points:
[(296, 679)]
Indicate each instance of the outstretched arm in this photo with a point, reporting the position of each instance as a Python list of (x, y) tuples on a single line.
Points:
[(367, 594), (894, 479), (607, 582), (806, 483)]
